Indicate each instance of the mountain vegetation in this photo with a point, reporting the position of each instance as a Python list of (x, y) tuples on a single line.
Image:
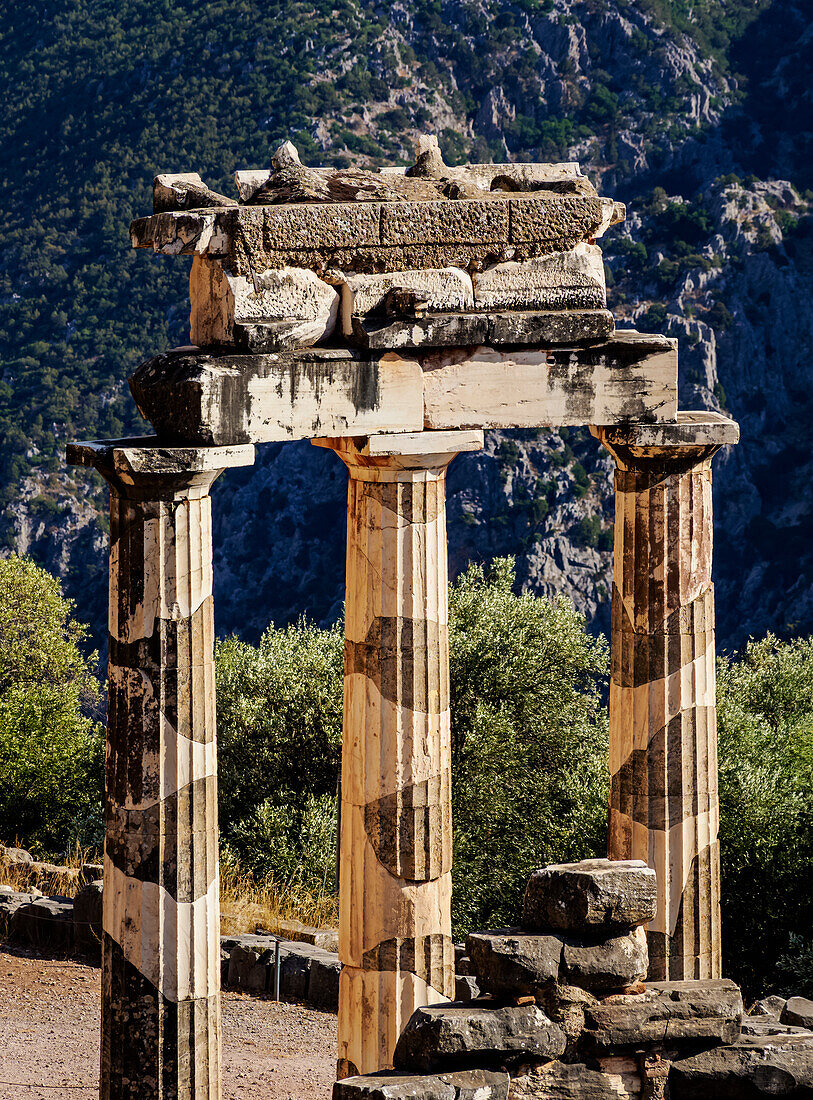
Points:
[(692, 112)]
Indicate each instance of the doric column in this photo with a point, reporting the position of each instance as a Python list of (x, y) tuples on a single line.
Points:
[(663, 725), (161, 912), (396, 822)]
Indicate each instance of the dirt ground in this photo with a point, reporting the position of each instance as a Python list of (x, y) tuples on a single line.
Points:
[(49, 1038)]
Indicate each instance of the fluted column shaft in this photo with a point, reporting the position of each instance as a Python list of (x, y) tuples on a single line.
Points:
[(161, 910), (664, 804), (396, 821)]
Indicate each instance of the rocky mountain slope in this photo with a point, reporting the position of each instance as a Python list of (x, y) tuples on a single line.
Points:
[(697, 115)]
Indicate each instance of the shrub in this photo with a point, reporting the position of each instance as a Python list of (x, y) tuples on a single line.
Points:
[(765, 708), (51, 748), (529, 741)]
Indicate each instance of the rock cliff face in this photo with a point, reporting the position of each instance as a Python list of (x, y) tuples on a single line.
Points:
[(702, 127)]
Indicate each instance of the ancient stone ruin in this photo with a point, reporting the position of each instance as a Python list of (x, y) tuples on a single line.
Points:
[(566, 1014), (390, 316)]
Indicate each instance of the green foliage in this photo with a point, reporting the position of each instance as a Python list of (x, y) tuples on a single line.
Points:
[(765, 709), (51, 749), (528, 741), (279, 745)]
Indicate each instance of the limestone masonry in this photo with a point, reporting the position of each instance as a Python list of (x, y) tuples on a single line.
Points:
[(392, 316)]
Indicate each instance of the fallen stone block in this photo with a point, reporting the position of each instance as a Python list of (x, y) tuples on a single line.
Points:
[(455, 1035), (769, 1006), (762, 1025), (16, 855), (511, 962), (444, 290), (219, 300), (185, 191), (465, 988), (674, 1012), (249, 967), (91, 872), (605, 963), (471, 1084), (798, 1011), (295, 969), (610, 1079), (87, 919), (46, 923), (323, 984), (746, 1070), (10, 902), (326, 938), (566, 1006), (561, 280), (593, 894)]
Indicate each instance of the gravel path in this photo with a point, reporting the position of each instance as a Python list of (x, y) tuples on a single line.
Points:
[(49, 1038)]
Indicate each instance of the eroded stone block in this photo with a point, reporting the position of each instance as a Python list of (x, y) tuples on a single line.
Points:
[(471, 1084), (747, 1070), (596, 893), (606, 963), (798, 1011), (298, 298), (510, 962), (707, 1010), (441, 290), (185, 191), (455, 1035), (613, 1079), (561, 280)]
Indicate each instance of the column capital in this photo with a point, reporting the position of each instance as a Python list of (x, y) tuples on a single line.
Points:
[(399, 456), (674, 445), (141, 467)]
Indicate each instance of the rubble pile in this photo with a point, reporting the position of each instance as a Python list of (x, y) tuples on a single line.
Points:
[(565, 1013)]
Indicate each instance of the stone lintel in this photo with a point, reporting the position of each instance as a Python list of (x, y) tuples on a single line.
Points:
[(196, 397)]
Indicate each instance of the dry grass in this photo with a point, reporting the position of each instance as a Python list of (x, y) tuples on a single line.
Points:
[(47, 877), (247, 903)]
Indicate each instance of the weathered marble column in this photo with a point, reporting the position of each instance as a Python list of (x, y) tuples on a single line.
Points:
[(663, 725), (396, 822), (161, 911)]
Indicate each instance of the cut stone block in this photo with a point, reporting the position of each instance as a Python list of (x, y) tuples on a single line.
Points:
[(566, 1006), (631, 377), (798, 1011), (466, 988), (611, 1079), (47, 923), (455, 1035), (10, 902), (602, 964), (562, 280), (747, 1070), (211, 397), (471, 329), (443, 290), (510, 962), (762, 1026), (219, 300), (184, 191), (469, 1084), (326, 938), (323, 985), (87, 919), (673, 1012), (373, 236), (593, 894), (770, 1007)]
